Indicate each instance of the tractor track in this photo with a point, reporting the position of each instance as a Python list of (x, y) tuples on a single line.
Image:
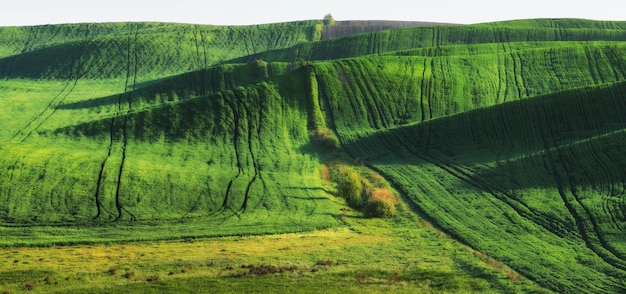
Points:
[(547, 132), (235, 140), (205, 64), (588, 214), (123, 110), (198, 56), (39, 119), (520, 208), (423, 89), (255, 163)]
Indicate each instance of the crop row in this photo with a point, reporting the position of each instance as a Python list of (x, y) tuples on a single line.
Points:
[(208, 157), (164, 50), (412, 89), (388, 41), (549, 165)]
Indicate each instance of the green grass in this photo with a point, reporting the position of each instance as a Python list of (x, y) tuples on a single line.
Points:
[(365, 256), (205, 158), (522, 177), (506, 135)]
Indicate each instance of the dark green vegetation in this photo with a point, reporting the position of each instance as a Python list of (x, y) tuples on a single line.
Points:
[(506, 135)]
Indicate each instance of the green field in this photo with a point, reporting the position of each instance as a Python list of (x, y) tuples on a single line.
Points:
[(505, 136)]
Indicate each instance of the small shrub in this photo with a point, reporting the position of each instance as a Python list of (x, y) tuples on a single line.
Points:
[(380, 203), (380, 207), (329, 20), (350, 186)]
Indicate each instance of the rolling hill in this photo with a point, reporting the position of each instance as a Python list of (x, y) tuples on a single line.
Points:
[(507, 135)]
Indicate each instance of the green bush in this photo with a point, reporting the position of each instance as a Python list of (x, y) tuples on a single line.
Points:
[(380, 207), (329, 20), (349, 186)]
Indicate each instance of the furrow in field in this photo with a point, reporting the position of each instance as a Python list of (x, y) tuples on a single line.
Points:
[(619, 260), (101, 175), (483, 185), (235, 140), (547, 134), (423, 92), (517, 73), (40, 118), (249, 143), (123, 108), (205, 64), (199, 63)]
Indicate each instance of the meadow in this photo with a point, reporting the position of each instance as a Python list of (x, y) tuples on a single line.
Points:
[(144, 147)]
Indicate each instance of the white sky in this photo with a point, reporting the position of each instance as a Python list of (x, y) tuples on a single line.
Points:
[(240, 12)]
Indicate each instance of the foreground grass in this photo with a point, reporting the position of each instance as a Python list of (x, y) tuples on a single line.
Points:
[(402, 254)]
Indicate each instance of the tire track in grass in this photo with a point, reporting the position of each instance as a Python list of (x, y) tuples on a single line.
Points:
[(204, 68), (612, 177), (517, 72), (198, 56), (466, 176), (8, 197), (588, 214), (501, 90), (374, 115), (546, 132), (255, 162), (235, 140), (261, 120), (509, 199), (40, 118), (429, 86), (97, 198), (423, 92), (131, 70)]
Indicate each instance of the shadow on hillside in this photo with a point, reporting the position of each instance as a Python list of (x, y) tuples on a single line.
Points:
[(106, 101), (504, 146)]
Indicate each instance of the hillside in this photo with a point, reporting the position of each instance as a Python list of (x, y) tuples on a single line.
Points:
[(506, 136)]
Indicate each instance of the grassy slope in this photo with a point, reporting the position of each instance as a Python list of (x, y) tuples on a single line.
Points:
[(438, 36), (207, 159), (58, 52), (231, 154), (546, 168), (519, 169)]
